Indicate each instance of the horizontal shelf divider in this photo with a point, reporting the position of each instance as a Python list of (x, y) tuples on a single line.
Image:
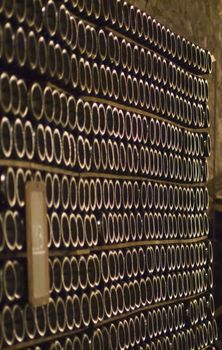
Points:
[(140, 111), (84, 174), (100, 248)]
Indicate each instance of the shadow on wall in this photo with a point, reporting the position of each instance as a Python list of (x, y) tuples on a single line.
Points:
[(201, 22)]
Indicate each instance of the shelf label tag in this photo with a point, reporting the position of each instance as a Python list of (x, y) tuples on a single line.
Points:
[(37, 243)]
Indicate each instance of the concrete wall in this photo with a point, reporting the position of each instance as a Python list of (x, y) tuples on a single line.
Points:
[(201, 22)]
